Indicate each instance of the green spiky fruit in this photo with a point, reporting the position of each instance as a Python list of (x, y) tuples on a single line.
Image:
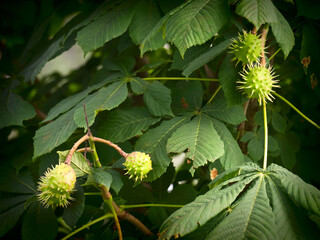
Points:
[(138, 165), (57, 185), (247, 48), (258, 82)]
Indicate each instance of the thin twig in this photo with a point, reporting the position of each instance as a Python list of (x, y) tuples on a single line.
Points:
[(88, 149), (111, 144), (74, 148), (296, 109), (123, 214), (108, 215), (214, 94)]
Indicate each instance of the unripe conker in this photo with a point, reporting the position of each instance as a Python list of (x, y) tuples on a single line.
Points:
[(57, 185), (247, 48), (258, 82), (138, 165)]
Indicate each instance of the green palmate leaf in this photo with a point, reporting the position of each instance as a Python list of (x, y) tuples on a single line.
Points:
[(252, 218), (192, 53), (124, 64), (228, 75), (78, 162), (196, 23), (303, 194), (108, 26), (10, 200), (257, 11), (11, 211), (278, 122), (53, 134), (9, 218), (187, 96), (71, 101), (13, 109), (138, 85), (106, 98), (283, 33), (65, 105), (73, 212), (289, 145), (146, 16), (157, 98), (246, 203), (205, 57), (220, 110), (10, 181), (117, 182), (152, 40), (232, 156), (188, 218), (256, 145), (154, 142), (39, 223), (272, 144), (125, 124), (201, 140), (102, 176), (284, 219)]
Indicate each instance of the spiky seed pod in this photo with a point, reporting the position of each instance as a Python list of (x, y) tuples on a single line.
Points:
[(247, 48), (138, 165), (57, 185), (258, 82)]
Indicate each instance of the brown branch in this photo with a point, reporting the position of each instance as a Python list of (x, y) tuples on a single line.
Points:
[(111, 144), (254, 31), (125, 215), (74, 148), (263, 38)]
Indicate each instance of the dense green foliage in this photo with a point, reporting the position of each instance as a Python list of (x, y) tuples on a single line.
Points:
[(161, 78)]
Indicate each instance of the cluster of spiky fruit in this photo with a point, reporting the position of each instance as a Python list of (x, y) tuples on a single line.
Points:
[(247, 48), (138, 165), (57, 185), (258, 82)]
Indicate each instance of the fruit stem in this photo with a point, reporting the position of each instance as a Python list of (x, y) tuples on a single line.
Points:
[(273, 55), (74, 148), (84, 150), (214, 94), (94, 152), (111, 144), (123, 214), (297, 110), (265, 122), (108, 215), (150, 205), (181, 78), (110, 202)]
